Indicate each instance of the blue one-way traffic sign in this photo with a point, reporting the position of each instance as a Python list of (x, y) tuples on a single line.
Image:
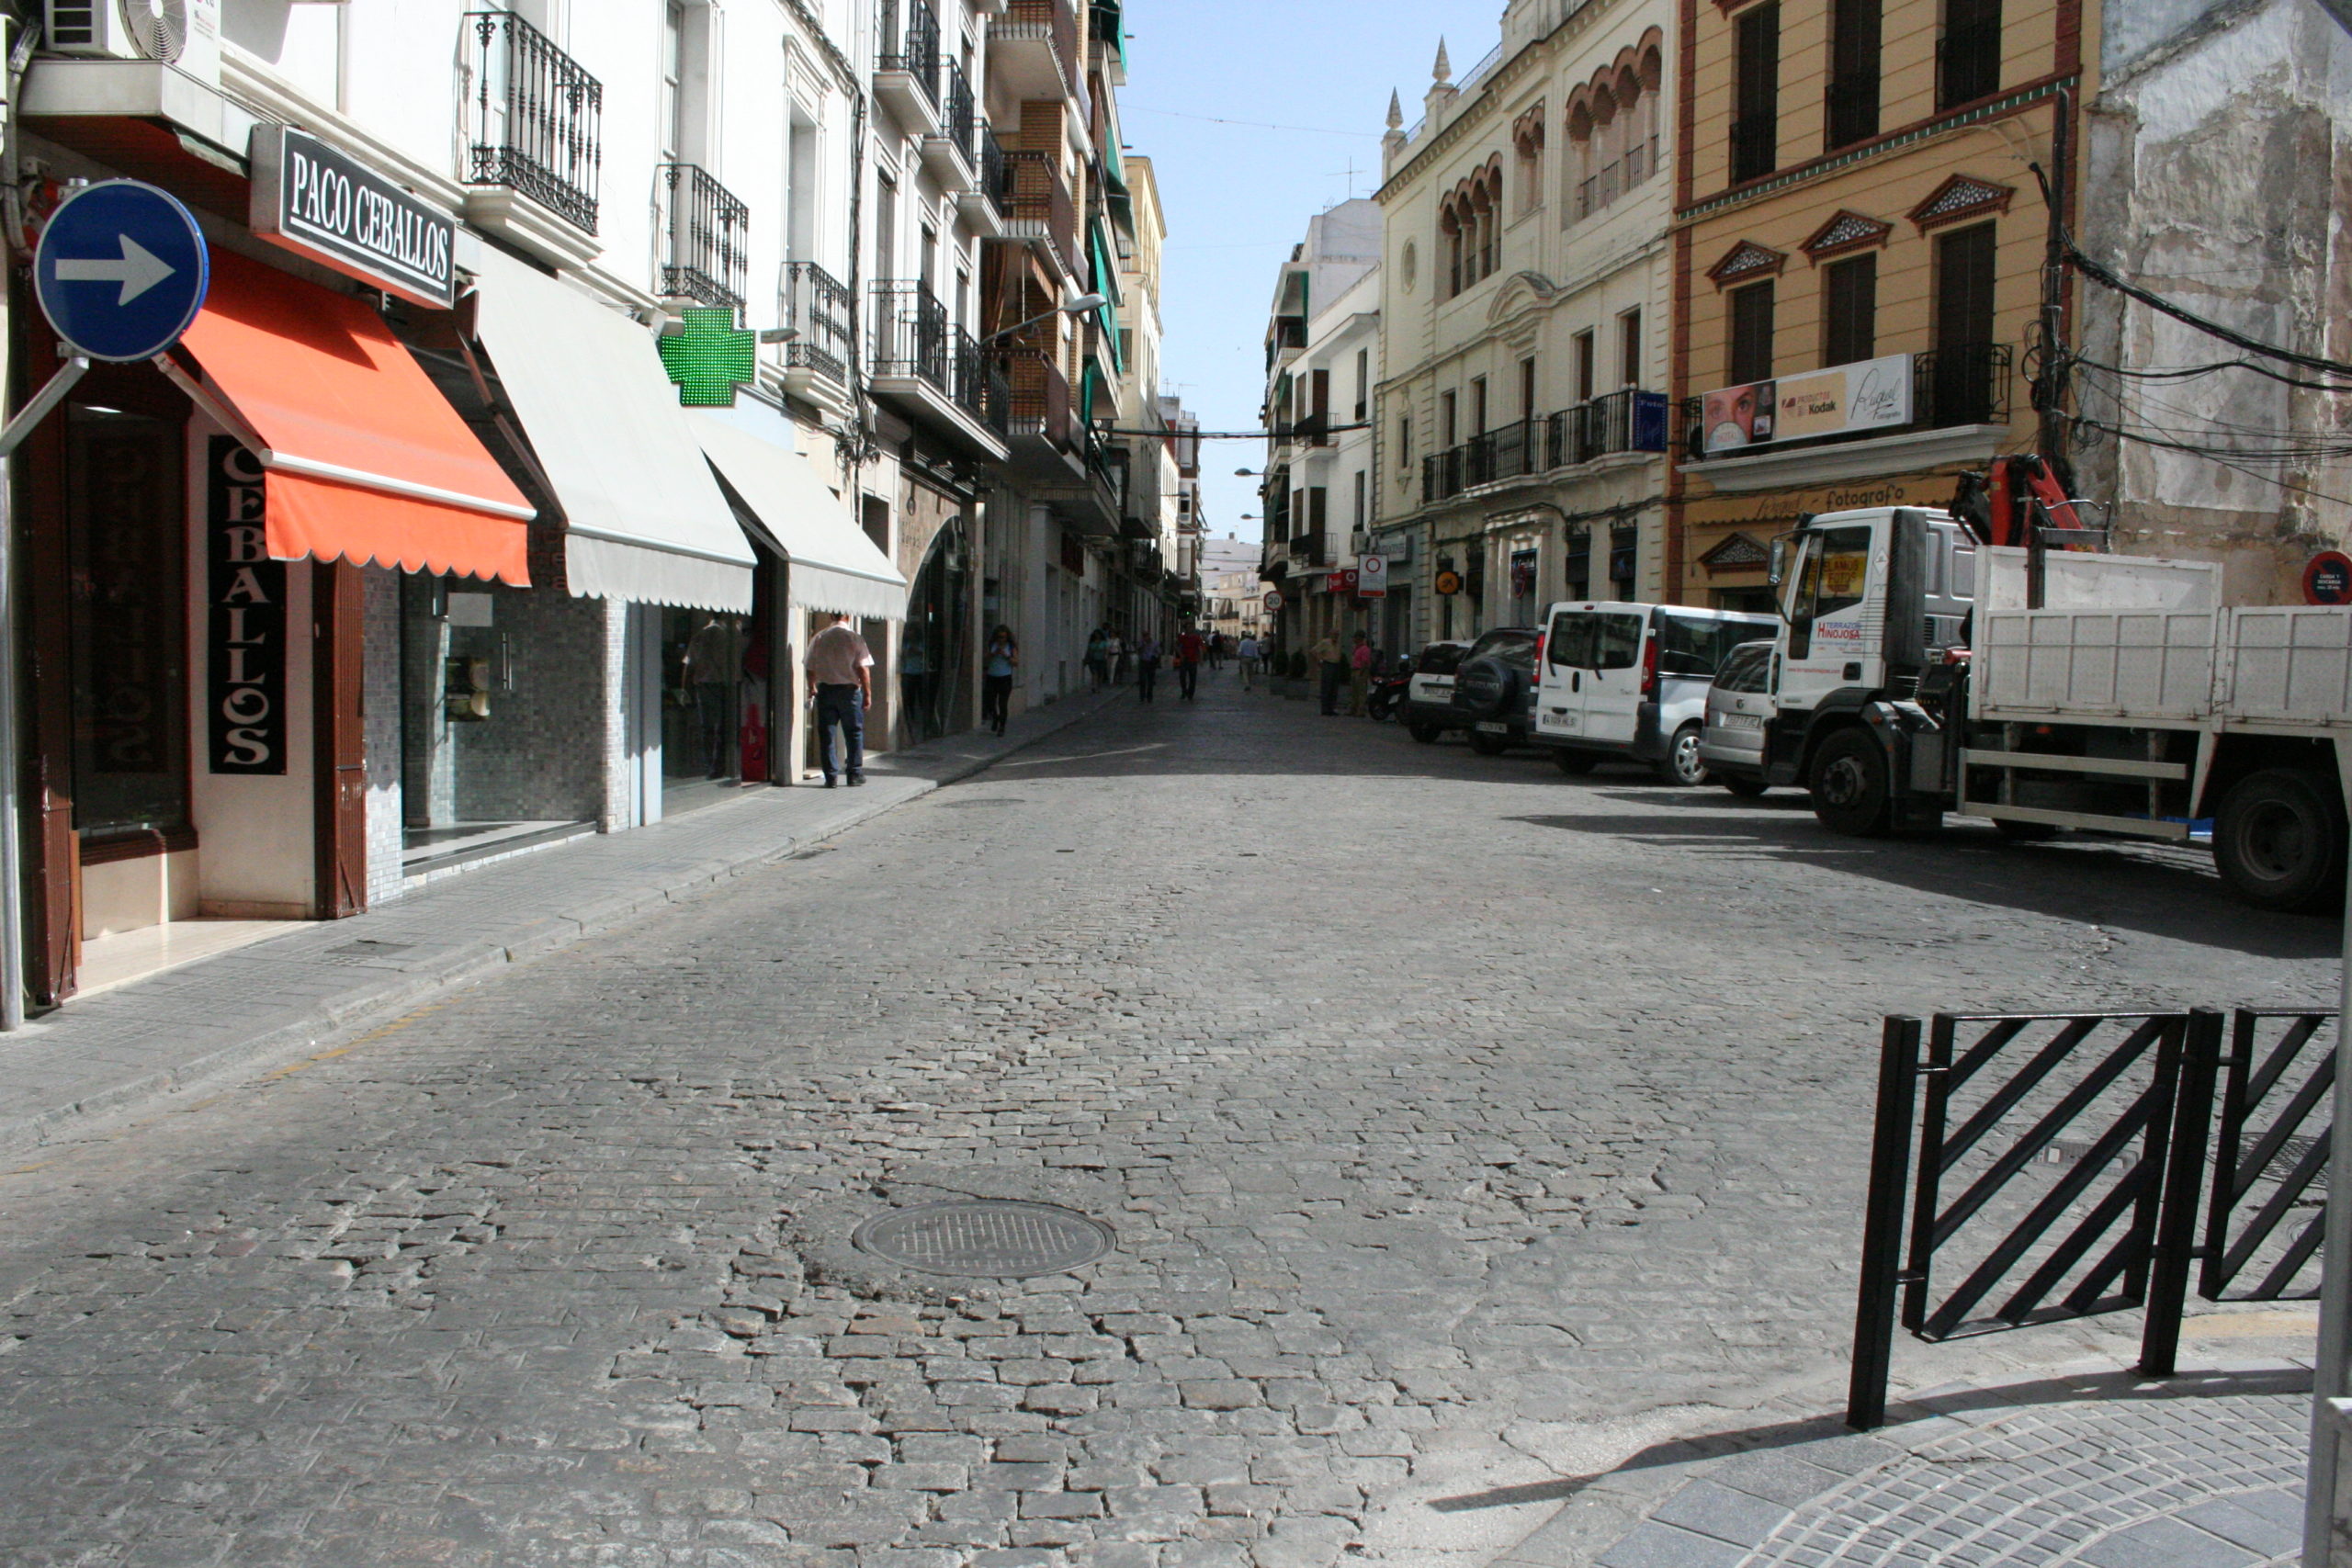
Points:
[(121, 270)]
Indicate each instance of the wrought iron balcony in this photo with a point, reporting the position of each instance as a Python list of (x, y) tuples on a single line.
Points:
[(1614, 179), (819, 305), (1968, 64), (960, 114), (1852, 108), (1594, 428), (1041, 399), (1754, 147), (996, 177), (911, 46), (533, 120), (913, 339), (1958, 383), (705, 232), (1042, 208)]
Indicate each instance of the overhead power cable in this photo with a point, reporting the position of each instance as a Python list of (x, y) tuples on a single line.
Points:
[(2158, 302)]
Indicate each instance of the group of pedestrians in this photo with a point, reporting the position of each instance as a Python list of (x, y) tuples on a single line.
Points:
[(1352, 666), (1111, 659)]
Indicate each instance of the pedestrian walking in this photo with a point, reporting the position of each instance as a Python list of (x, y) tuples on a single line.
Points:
[(1359, 675), (1247, 657), (996, 677), (841, 668), (1328, 671), (1147, 665), (1123, 657), (1216, 650), (1189, 652), (1098, 659)]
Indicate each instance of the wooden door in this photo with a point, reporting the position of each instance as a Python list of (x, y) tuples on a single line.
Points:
[(338, 650)]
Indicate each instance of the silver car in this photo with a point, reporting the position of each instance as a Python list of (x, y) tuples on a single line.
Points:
[(1739, 711)]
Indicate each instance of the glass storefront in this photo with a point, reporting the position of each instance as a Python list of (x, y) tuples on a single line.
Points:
[(935, 648)]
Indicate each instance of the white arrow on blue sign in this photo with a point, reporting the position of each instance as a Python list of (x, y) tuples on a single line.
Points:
[(121, 270)]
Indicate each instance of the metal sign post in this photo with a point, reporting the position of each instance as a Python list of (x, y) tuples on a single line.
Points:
[(2334, 1291)]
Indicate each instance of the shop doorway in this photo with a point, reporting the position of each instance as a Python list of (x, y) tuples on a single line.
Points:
[(702, 708), (934, 649)]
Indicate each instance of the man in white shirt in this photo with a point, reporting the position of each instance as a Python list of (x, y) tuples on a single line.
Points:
[(841, 669), (1248, 654)]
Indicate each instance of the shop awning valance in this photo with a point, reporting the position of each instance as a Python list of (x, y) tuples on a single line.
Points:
[(834, 565), (644, 521), (366, 460)]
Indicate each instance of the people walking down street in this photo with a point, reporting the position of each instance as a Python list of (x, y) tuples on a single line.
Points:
[(1359, 675), (996, 676), (1122, 658), (712, 658), (1147, 665), (1189, 650), (1328, 670), (1098, 659), (1246, 656), (841, 668), (1216, 650)]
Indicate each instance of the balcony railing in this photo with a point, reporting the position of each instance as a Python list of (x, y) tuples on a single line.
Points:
[(996, 179), (912, 45), (1968, 63), (1308, 546), (1052, 19), (1960, 384), (960, 113), (1041, 197), (817, 303), (705, 233), (981, 388), (1614, 179), (534, 120), (1040, 392), (1852, 108), (1592, 429), (1754, 147)]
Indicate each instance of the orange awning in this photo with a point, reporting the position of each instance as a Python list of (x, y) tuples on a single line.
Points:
[(366, 461)]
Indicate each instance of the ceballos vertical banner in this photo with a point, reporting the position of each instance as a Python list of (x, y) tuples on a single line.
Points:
[(245, 623)]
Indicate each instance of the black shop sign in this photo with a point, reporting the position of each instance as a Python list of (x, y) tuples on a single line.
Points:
[(319, 203), (244, 633)]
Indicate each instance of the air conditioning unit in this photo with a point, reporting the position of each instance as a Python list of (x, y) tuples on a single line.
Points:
[(184, 34)]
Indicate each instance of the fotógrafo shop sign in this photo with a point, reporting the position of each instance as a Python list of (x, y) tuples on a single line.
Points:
[(318, 203)]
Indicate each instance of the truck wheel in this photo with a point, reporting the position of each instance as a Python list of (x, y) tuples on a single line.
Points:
[(1424, 732), (2279, 841), (1681, 765), (1848, 785), (1576, 764), (1741, 785), (1488, 745)]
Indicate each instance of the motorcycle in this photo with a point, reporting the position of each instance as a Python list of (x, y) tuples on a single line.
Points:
[(1388, 691)]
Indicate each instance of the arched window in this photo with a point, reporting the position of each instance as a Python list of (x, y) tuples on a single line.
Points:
[(1527, 140), (1449, 223)]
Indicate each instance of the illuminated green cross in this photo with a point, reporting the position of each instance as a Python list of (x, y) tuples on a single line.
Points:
[(708, 358)]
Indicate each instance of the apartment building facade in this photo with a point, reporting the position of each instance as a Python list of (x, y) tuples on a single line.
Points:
[(1525, 281), (1857, 258)]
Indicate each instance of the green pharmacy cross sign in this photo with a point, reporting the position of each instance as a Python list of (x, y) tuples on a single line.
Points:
[(708, 357)]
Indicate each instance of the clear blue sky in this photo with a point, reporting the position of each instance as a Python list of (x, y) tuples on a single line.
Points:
[(1239, 196)]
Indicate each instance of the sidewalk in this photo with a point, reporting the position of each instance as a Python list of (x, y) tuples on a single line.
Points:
[(278, 999), (2082, 1463)]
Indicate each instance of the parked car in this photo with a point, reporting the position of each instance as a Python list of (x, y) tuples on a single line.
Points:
[(1739, 713), (1428, 700), (1631, 680), (1494, 690)]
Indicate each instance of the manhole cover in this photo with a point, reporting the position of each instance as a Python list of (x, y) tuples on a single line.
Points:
[(1001, 1238)]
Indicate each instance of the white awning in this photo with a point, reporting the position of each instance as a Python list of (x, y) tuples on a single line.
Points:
[(834, 565), (646, 522)]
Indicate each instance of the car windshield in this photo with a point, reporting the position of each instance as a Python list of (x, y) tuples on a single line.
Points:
[(1745, 667), (1516, 646), (1442, 657), (1690, 645)]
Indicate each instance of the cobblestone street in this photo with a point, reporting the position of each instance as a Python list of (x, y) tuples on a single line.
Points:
[(1452, 1115)]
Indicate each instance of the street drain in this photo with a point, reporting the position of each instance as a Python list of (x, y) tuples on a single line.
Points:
[(995, 1238)]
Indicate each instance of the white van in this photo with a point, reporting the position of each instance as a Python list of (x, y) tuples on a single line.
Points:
[(1631, 680)]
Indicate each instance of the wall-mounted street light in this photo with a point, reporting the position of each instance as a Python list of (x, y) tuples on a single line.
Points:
[(1076, 306)]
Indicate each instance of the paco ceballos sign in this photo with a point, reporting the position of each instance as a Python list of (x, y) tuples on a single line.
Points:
[(319, 203)]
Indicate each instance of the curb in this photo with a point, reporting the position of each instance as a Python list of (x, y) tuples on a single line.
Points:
[(339, 1016)]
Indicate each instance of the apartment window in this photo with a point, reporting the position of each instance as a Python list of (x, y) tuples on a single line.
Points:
[(886, 228), (928, 249), (1962, 381), (1849, 310), (1446, 414), (1756, 67), (1629, 349), (1968, 57), (1319, 516), (1586, 369), (1364, 384), (1527, 139), (1527, 388), (1478, 407), (1853, 71), (1319, 413), (1405, 442), (1752, 334), (674, 94), (1359, 503)]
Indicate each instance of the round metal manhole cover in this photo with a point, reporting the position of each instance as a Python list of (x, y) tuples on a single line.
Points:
[(998, 1237)]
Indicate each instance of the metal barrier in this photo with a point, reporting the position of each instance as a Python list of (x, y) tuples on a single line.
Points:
[(2287, 1091), (2126, 1119)]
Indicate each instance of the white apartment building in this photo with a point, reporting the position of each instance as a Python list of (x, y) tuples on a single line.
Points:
[(1323, 362), (1525, 299), (677, 327)]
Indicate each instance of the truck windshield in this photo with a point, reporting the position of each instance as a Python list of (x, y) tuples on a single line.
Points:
[(1837, 566)]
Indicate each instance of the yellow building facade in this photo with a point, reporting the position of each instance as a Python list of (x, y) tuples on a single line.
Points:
[(1857, 258)]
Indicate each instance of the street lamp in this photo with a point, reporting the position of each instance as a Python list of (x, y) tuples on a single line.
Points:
[(1077, 306)]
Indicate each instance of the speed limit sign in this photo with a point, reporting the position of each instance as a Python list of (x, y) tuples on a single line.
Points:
[(1274, 599)]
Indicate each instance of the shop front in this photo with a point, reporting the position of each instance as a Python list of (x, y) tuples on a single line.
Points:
[(1726, 537)]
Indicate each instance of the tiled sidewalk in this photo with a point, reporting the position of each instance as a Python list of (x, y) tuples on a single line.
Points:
[(2084, 1464), (276, 999)]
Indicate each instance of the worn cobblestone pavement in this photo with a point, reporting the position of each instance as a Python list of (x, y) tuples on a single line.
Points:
[(1448, 1111)]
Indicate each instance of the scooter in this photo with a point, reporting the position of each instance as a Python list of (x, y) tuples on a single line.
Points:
[(1388, 690)]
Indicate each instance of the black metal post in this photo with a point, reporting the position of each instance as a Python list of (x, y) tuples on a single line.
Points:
[(2176, 1239), (1898, 1072)]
